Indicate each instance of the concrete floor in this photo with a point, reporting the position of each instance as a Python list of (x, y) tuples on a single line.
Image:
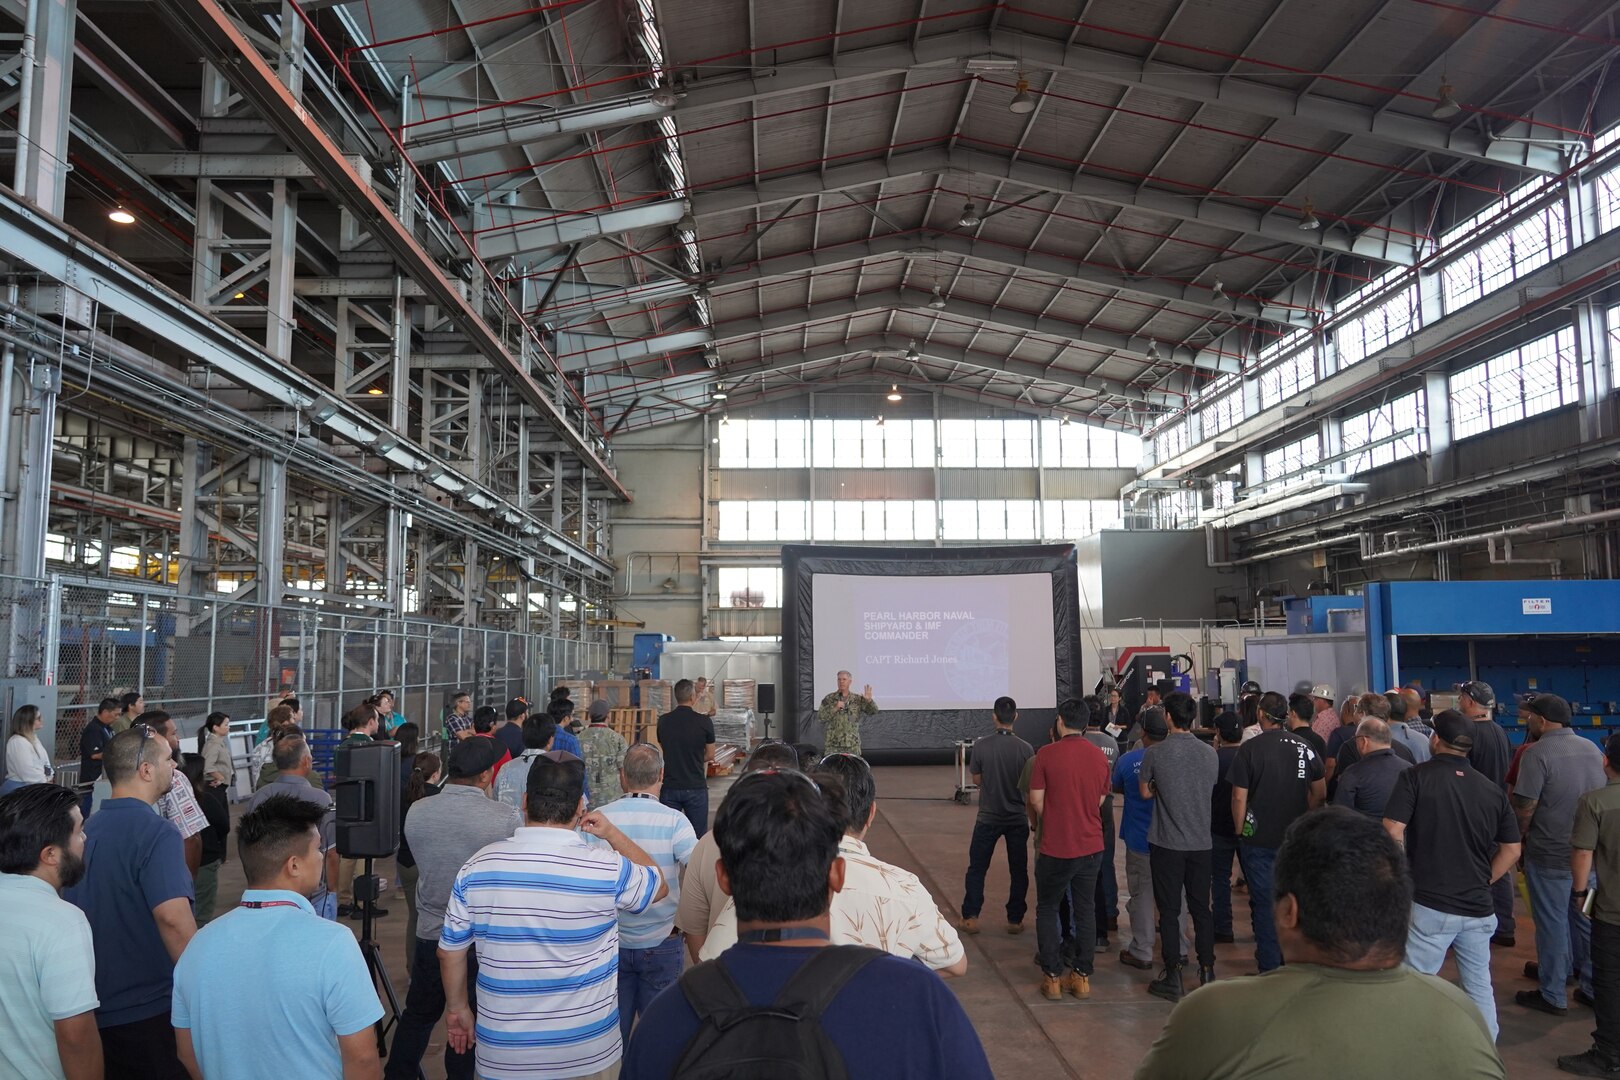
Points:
[(920, 828)]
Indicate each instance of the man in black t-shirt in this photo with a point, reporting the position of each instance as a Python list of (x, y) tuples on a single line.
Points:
[(1222, 832), (1301, 710), (1275, 778), (997, 761), (1490, 756), (687, 739), (1460, 836), (1107, 891)]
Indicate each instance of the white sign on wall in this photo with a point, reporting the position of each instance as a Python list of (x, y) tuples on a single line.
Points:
[(1538, 606)]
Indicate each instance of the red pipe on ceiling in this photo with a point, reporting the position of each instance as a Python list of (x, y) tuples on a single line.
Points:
[(441, 31)]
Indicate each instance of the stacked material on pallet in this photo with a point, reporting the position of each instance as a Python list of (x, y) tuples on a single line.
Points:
[(734, 726), (616, 692), (739, 694), (657, 695)]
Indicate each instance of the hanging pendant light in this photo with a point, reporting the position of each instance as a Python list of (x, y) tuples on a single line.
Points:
[(1022, 100)]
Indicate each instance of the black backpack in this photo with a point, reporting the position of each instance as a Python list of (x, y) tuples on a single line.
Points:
[(738, 1040)]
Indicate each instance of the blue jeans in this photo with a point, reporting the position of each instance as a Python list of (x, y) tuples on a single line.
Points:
[(1432, 932), (1563, 935), (642, 974), (1222, 850), (1257, 863), (981, 849), (693, 802)]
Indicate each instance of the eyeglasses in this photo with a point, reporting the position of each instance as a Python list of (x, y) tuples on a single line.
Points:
[(140, 751), (779, 770), (846, 754)]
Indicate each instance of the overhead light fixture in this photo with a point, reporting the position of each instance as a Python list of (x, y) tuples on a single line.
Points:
[(240, 296), (664, 96), (1063, 421), (894, 393), (880, 420), (938, 302), (121, 216), (712, 358), (719, 392), (1308, 221), (375, 390), (687, 225), (725, 419), (912, 355), (1022, 100), (1447, 106), (970, 218), (1219, 290), (1153, 350)]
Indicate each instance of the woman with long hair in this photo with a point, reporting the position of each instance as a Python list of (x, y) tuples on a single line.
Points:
[(422, 781), (213, 739), (27, 758)]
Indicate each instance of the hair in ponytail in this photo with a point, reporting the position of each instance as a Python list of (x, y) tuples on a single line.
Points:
[(425, 766)]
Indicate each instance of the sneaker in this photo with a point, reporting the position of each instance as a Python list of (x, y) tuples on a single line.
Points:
[(1015, 928), (969, 926), (1102, 943), (1583, 998), (1532, 999), (1224, 939), (1051, 987), (1206, 975), (344, 910), (1504, 941), (1532, 970), (1129, 959), (1590, 1063), (1077, 984)]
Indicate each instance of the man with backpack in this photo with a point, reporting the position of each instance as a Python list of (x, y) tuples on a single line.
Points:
[(785, 994)]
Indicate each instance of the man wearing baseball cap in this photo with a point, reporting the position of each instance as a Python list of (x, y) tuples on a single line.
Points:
[(1326, 720), (603, 750), (1491, 755), (1596, 843), (1460, 835), (1554, 772)]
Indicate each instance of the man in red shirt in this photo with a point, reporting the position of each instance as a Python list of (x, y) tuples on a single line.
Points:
[(1067, 787)]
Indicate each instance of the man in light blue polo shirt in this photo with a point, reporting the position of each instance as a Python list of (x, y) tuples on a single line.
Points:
[(649, 944), (47, 963), (271, 989)]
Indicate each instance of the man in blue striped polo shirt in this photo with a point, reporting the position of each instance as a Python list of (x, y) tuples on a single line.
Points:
[(649, 944), (543, 908)]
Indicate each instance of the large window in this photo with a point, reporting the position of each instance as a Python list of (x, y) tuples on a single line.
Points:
[(867, 444), (989, 519), (1221, 414), (1082, 446), (1528, 245), (873, 519), (763, 519), (749, 586), (1394, 431), (1376, 328), (1173, 439), (1291, 458), (1070, 519), (1537, 377), (987, 444), (1285, 379), (763, 444)]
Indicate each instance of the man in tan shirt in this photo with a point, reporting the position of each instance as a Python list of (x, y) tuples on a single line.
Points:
[(703, 697), (880, 906), (701, 898)]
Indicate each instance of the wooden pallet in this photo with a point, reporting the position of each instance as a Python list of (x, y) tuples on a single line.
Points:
[(635, 725)]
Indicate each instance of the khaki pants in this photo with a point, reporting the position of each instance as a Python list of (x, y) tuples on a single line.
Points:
[(347, 869)]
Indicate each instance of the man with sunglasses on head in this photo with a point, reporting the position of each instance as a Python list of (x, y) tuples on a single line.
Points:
[(782, 853), (881, 905), (137, 895), (543, 909)]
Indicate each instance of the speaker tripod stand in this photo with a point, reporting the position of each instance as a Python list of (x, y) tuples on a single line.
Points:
[(366, 889)]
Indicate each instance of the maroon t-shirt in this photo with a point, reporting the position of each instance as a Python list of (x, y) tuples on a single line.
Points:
[(1074, 775)]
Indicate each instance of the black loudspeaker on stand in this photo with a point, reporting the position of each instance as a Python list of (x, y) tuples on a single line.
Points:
[(366, 786), (766, 696)]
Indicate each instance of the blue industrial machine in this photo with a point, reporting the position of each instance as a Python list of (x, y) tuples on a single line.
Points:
[(1521, 637), (646, 651)]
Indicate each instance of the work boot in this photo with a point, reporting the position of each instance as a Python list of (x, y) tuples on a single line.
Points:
[(1015, 927), (1077, 984), (1590, 1063), (1168, 984), (969, 926), (1129, 959), (1206, 975), (1051, 987)]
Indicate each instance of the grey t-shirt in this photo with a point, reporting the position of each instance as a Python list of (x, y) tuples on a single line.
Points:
[(997, 762), (1182, 771), (1556, 770), (299, 787), (444, 832)]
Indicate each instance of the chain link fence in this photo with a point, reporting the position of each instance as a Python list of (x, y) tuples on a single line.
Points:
[(192, 656)]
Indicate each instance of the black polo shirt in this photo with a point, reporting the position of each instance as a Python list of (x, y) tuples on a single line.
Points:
[(1455, 818), (683, 732), (93, 740), (1365, 786), (1491, 753)]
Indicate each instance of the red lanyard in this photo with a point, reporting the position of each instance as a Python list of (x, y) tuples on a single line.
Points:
[(256, 904)]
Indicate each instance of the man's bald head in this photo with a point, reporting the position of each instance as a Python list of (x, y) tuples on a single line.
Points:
[(1375, 731)]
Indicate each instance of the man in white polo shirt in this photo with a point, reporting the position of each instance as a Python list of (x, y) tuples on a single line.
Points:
[(543, 908), (649, 944)]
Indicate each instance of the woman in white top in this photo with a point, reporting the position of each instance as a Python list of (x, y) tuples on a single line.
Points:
[(214, 740), (27, 759)]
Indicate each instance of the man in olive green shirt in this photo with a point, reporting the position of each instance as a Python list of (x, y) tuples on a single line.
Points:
[(1595, 841), (840, 715), (1343, 899)]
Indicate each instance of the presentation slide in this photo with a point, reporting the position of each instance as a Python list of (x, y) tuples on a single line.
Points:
[(936, 642)]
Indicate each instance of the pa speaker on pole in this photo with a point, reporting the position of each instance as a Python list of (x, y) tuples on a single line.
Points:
[(366, 786)]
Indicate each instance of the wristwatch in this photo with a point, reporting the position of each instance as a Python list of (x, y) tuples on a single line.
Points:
[(1579, 894)]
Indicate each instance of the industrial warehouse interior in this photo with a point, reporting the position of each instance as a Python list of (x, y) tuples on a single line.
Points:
[(986, 474)]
